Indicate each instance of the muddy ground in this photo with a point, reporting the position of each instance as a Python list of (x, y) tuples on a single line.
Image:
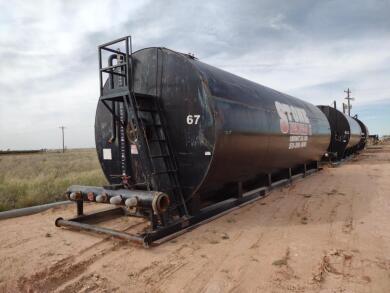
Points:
[(327, 233)]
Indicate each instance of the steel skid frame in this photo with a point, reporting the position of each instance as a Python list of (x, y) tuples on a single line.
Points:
[(161, 233)]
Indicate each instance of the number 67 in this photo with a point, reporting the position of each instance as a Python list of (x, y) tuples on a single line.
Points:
[(193, 119)]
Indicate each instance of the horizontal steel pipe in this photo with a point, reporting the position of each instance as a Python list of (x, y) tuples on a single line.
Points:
[(279, 182), (30, 210), (155, 200), (60, 222)]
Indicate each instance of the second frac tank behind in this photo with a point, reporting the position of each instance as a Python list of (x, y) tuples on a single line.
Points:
[(364, 134), (345, 132)]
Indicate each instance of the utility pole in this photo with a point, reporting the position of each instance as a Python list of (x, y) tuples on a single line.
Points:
[(349, 99), (63, 138)]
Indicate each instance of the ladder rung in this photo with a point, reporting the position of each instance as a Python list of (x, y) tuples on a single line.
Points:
[(115, 73), (116, 51), (103, 46), (113, 66), (117, 94)]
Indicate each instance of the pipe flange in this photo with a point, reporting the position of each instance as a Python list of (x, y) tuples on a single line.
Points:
[(160, 202), (57, 220)]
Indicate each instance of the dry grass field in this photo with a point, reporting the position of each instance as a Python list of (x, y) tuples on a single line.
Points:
[(30, 179)]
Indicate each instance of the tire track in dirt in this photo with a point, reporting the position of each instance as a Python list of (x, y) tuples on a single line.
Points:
[(89, 283), (66, 269), (69, 269), (155, 274)]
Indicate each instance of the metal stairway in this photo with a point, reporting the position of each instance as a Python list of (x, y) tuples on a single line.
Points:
[(141, 125)]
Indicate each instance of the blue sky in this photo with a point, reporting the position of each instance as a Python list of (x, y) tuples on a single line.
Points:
[(376, 116), (313, 50)]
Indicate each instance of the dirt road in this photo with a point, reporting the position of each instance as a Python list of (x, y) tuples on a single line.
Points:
[(327, 233)]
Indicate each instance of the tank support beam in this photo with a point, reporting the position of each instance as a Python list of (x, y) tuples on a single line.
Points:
[(240, 190), (80, 207)]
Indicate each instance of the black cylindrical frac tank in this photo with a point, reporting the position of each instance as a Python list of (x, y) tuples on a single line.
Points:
[(346, 132), (364, 134), (223, 128)]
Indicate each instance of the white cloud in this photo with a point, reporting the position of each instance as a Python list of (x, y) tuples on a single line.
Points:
[(48, 52)]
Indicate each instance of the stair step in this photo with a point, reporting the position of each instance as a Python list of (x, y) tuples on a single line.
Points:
[(115, 95)]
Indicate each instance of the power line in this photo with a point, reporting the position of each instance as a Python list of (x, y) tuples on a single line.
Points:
[(63, 138)]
